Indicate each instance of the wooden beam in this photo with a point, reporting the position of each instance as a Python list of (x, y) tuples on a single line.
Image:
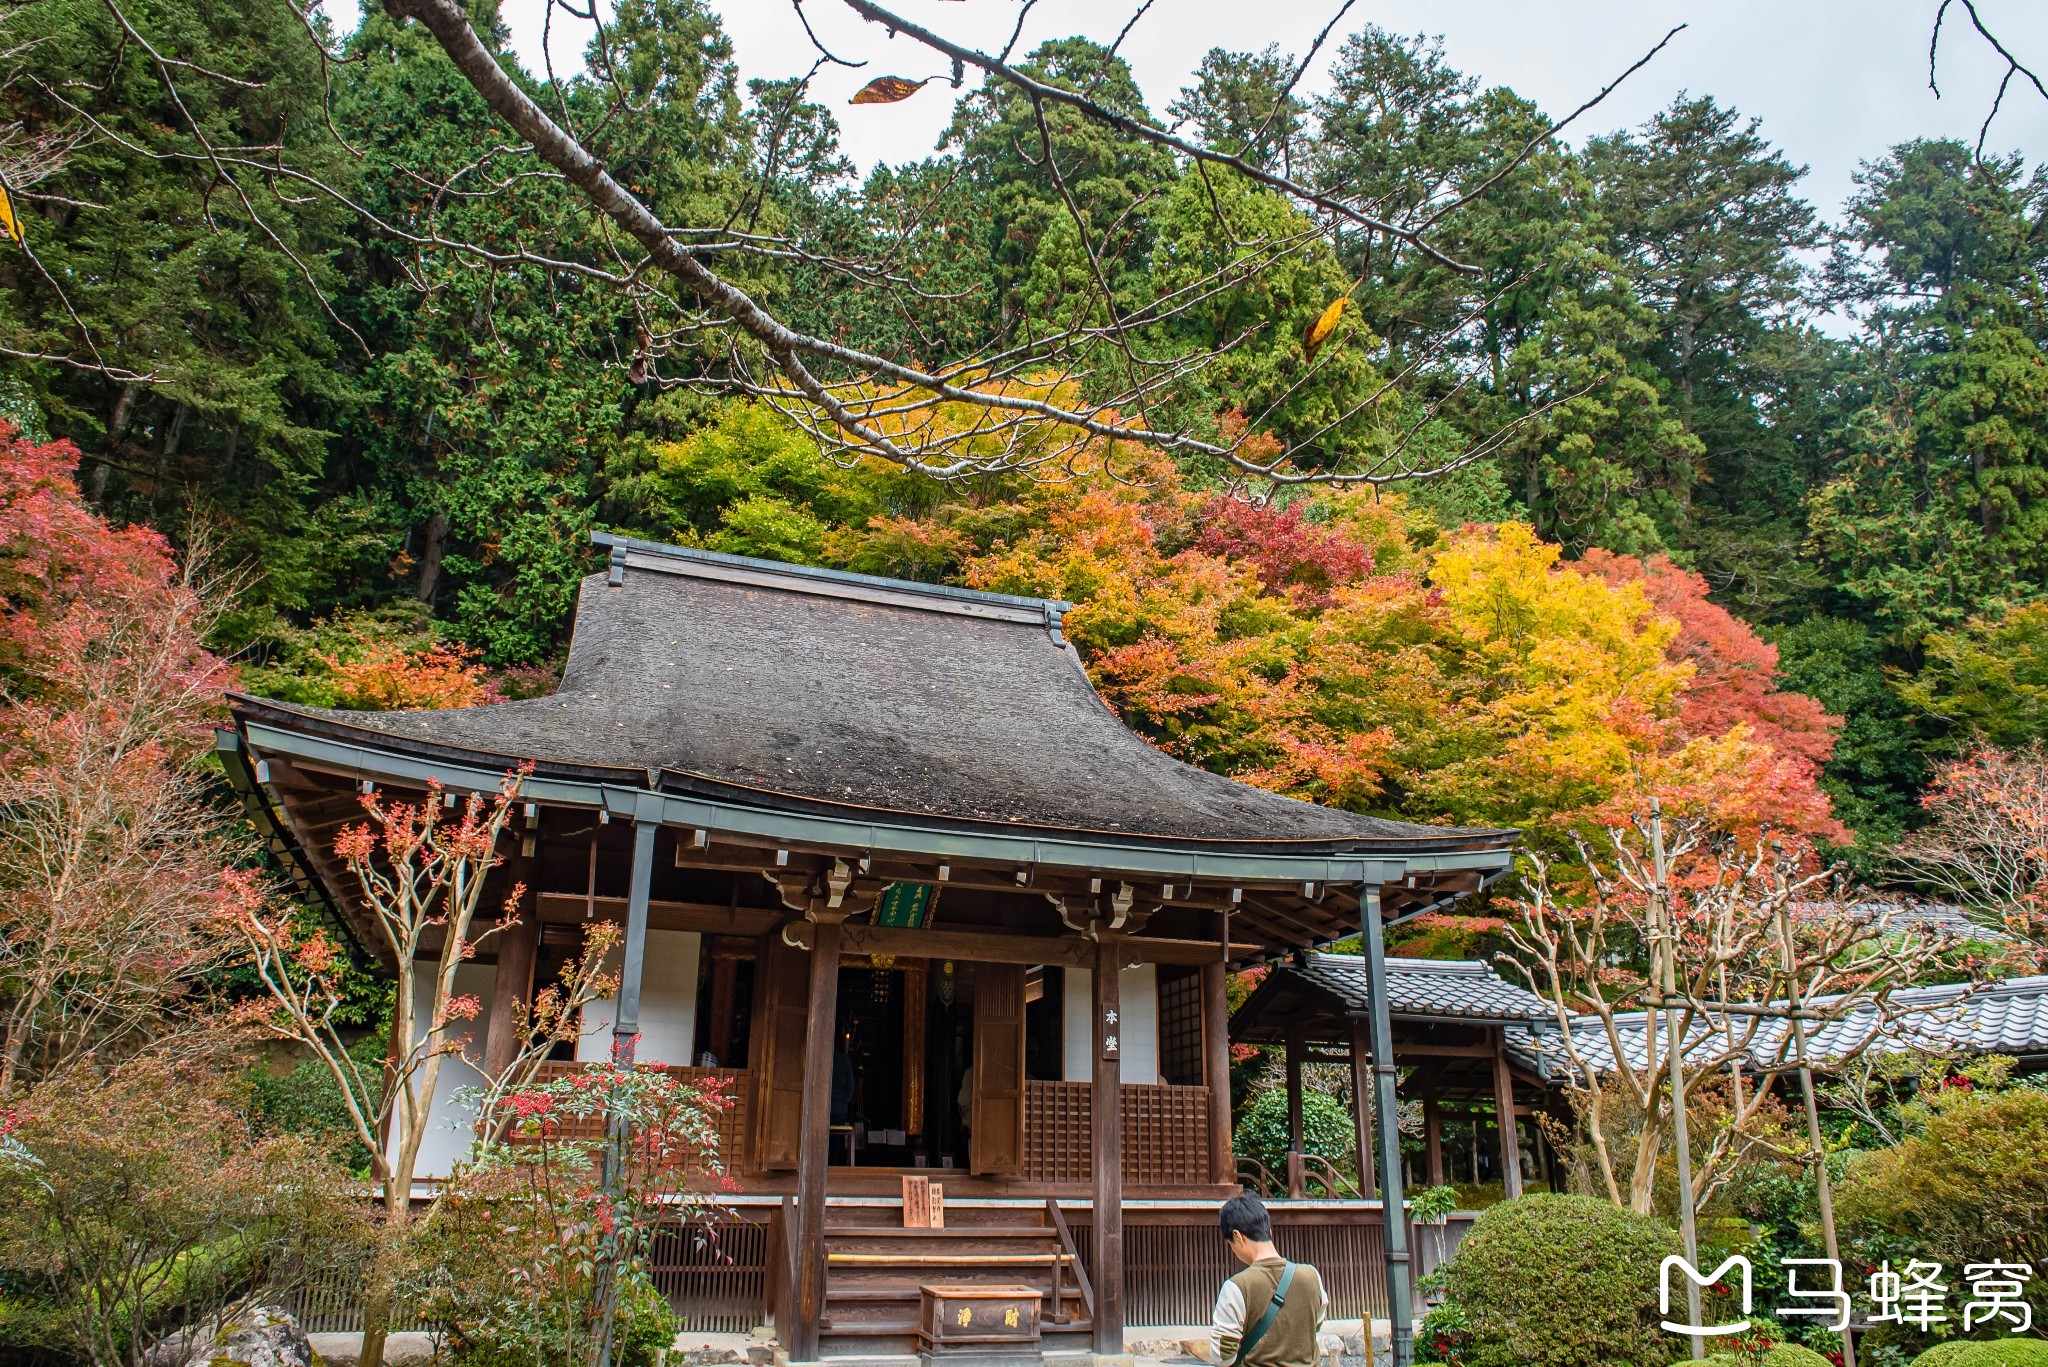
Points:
[(970, 946), (1361, 1102), (822, 1026), (1420, 1050), (511, 986), (1106, 1136), (995, 947), (1432, 1134), (1504, 1113), (1216, 1072), (706, 917), (1294, 1053)]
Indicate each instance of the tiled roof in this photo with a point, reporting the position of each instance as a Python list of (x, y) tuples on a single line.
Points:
[(2010, 1017), (1941, 918), (1428, 989)]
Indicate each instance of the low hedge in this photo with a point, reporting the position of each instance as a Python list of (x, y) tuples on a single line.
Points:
[(1986, 1353), (1783, 1355)]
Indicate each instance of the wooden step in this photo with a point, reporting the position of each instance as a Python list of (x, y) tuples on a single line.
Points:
[(910, 1290), (884, 1328), (951, 1232), (945, 1259)]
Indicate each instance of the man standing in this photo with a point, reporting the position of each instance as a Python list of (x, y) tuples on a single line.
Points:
[(1269, 1314)]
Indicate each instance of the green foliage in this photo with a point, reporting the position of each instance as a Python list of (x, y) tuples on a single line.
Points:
[(1992, 1353), (1967, 1186), (1327, 1130), (646, 1327), (1879, 763), (1561, 1281), (1987, 681), (1781, 1355), (306, 1100)]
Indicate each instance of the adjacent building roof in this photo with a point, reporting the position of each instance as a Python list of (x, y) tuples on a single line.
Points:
[(768, 685), (1334, 985), (1427, 989), (2009, 1017)]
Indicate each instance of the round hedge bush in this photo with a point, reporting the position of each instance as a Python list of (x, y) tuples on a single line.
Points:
[(1986, 1353), (1783, 1355), (1327, 1130), (1944, 1354), (1562, 1281)]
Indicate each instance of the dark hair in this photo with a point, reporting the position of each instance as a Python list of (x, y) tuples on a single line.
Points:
[(1247, 1215)]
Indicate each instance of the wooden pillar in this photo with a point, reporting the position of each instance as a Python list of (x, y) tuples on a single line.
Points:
[(518, 946), (626, 1016), (1296, 1178), (1387, 1111), (725, 971), (1216, 1073), (1504, 1107), (1361, 1100), (1106, 1124), (821, 1025), (1296, 1046), (1432, 1135), (626, 1021)]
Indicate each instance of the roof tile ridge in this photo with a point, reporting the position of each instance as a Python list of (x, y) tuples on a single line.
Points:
[(801, 577)]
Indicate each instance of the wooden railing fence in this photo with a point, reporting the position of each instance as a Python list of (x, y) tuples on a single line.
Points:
[(1166, 1133)]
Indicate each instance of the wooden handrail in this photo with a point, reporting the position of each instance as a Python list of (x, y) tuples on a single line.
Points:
[(1334, 1182), (1261, 1175), (1067, 1245)]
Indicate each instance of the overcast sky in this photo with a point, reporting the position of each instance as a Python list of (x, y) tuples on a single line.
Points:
[(1834, 81)]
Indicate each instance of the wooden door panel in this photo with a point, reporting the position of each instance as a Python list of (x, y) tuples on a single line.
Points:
[(783, 997), (997, 1144)]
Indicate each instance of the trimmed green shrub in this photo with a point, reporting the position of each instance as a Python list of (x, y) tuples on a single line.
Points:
[(1327, 1130), (1986, 1353), (1783, 1355), (1561, 1281), (1944, 1354)]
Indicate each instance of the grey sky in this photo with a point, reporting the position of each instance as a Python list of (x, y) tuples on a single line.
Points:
[(1834, 81)]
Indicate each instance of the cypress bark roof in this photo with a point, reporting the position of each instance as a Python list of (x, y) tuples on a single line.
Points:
[(780, 685)]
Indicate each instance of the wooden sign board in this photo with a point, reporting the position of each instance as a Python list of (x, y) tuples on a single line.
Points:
[(917, 1203), (924, 1203)]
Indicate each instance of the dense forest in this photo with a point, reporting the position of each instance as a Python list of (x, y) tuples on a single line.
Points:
[(1699, 533)]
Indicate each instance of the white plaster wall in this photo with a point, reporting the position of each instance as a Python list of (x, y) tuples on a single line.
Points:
[(1077, 1040), (668, 1003), (1139, 1044), (451, 1126)]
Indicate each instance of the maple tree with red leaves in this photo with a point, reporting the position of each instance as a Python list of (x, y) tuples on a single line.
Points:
[(1292, 555), (119, 877), (1734, 669), (1347, 651)]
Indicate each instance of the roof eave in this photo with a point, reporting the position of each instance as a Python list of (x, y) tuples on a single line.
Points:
[(364, 754)]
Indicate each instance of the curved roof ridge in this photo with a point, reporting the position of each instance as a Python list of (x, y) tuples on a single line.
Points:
[(1407, 963), (691, 560)]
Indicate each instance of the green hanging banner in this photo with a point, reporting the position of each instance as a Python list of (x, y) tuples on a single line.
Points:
[(906, 906)]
